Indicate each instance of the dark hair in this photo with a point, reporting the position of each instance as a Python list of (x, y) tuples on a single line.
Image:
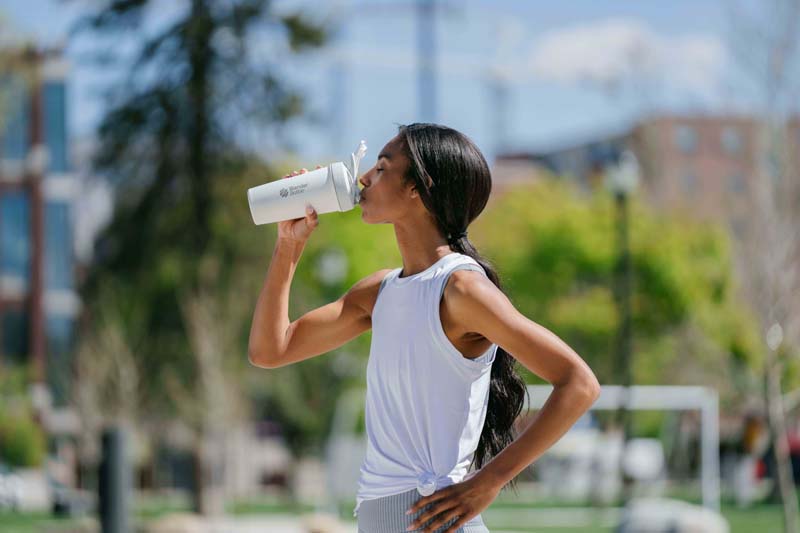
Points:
[(454, 183)]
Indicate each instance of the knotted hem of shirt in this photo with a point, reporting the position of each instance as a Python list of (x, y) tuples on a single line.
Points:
[(426, 485)]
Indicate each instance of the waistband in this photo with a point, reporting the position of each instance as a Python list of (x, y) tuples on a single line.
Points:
[(426, 484)]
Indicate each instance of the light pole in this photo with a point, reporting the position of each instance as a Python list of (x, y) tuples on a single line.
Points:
[(622, 180)]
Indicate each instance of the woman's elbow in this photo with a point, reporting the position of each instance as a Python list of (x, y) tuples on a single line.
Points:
[(583, 384), (588, 386), (261, 358)]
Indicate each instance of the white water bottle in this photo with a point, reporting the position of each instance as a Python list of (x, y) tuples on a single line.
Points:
[(327, 189)]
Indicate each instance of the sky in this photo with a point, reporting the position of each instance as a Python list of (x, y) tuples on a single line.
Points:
[(513, 75)]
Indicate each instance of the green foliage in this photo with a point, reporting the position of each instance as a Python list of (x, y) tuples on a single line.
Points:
[(22, 441), (171, 143), (14, 380), (556, 254)]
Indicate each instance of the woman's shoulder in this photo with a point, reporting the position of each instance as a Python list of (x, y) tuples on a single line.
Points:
[(469, 289), (463, 289), (364, 292)]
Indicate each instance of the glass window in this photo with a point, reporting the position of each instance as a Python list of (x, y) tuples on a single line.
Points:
[(60, 341), (55, 128), (686, 139), (738, 226), (15, 335), (14, 110), (731, 140), (58, 259), (689, 181), (15, 238), (737, 183)]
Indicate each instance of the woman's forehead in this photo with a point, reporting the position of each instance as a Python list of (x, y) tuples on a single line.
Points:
[(392, 150)]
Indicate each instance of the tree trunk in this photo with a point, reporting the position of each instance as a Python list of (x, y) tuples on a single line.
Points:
[(783, 465)]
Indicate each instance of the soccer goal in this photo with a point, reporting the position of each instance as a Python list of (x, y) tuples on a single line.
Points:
[(666, 397)]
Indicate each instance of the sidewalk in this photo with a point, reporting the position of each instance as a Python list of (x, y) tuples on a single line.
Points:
[(273, 523)]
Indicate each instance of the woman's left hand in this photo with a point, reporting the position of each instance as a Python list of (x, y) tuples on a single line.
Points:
[(463, 501)]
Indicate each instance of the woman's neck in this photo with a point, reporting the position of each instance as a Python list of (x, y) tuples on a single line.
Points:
[(421, 245)]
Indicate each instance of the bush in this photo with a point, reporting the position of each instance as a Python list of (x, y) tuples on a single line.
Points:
[(22, 441)]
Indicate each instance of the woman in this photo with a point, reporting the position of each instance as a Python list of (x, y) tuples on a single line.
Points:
[(442, 391)]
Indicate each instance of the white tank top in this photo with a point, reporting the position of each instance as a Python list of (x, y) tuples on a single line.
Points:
[(425, 402)]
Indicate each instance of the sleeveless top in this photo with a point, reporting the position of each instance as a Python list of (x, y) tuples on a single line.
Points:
[(425, 402)]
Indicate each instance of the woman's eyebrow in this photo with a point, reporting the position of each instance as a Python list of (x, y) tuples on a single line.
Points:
[(384, 155)]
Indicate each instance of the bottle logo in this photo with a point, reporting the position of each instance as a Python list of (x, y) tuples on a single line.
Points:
[(293, 190)]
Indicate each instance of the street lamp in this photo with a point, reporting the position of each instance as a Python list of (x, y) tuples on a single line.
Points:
[(622, 180), (623, 177)]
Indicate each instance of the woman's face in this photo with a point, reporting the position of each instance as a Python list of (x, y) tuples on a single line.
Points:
[(384, 197)]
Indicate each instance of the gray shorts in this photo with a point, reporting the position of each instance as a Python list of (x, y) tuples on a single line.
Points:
[(388, 515)]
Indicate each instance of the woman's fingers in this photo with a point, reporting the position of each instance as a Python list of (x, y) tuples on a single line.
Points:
[(298, 172)]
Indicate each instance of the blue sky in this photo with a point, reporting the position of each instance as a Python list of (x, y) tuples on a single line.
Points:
[(365, 80)]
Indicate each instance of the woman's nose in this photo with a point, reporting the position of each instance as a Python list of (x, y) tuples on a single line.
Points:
[(363, 180)]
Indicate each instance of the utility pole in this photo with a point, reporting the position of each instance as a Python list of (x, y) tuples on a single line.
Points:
[(426, 59), (622, 180), (35, 168)]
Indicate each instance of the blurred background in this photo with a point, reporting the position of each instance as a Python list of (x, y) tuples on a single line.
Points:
[(645, 208)]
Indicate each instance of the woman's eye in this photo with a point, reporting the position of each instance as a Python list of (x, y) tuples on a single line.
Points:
[(378, 170)]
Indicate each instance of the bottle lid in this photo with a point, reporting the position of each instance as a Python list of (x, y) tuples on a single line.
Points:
[(355, 159)]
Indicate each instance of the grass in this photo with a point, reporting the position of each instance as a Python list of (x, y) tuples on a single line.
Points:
[(13, 522), (500, 516)]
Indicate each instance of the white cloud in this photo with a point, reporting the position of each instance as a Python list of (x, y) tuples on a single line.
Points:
[(624, 51)]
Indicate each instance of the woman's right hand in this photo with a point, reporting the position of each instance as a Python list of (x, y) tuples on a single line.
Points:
[(298, 230)]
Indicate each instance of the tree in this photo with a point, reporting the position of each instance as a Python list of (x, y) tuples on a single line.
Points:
[(213, 403), (108, 378), (171, 143), (765, 44), (556, 252)]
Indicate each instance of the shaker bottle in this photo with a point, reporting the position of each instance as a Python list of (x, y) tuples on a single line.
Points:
[(327, 189)]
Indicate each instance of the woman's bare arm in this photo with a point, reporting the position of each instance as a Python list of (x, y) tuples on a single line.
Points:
[(476, 303), (276, 342)]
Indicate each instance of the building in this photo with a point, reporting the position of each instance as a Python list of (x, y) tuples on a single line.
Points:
[(702, 164), (39, 304)]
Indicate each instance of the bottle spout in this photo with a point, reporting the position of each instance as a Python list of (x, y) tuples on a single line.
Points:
[(355, 160)]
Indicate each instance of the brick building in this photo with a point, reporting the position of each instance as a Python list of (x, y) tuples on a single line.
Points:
[(701, 164), (38, 299)]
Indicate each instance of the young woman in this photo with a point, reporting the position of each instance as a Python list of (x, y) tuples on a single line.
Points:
[(442, 391)]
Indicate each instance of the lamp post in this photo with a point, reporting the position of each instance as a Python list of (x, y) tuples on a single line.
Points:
[(622, 180)]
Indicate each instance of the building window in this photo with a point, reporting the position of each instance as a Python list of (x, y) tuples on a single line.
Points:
[(689, 181), (738, 226), (737, 183), (686, 139), (15, 108), (60, 344), (15, 236), (55, 128), (14, 335), (58, 256), (731, 140)]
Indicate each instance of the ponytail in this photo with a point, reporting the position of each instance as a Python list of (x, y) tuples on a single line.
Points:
[(454, 183)]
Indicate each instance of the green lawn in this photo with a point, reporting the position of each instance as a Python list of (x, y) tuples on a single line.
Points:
[(762, 518), (37, 523)]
